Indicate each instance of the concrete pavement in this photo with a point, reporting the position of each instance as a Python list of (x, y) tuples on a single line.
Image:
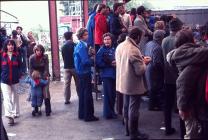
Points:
[(63, 123)]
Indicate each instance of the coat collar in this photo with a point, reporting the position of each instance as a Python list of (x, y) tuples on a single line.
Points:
[(13, 54), (132, 41)]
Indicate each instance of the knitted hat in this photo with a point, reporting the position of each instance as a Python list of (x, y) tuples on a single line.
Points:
[(158, 35), (175, 24)]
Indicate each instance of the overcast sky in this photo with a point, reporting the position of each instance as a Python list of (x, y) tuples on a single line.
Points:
[(29, 13), (32, 13)]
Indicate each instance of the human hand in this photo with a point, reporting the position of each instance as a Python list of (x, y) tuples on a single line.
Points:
[(123, 30), (113, 63), (91, 51), (147, 59)]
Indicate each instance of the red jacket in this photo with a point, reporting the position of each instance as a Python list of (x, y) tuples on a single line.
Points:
[(101, 28)]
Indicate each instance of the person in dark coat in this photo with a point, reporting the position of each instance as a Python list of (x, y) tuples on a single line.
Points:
[(67, 52), (192, 63), (39, 61), (105, 60), (10, 70), (155, 70), (170, 76), (23, 48), (116, 24)]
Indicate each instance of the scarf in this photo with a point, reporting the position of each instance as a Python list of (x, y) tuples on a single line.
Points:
[(39, 57), (37, 81)]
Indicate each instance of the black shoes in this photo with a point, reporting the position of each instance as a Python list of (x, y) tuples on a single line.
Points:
[(93, 118), (10, 121), (67, 102), (114, 116), (36, 111), (170, 131)]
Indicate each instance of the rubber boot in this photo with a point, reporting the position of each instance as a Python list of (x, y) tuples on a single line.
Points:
[(47, 106)]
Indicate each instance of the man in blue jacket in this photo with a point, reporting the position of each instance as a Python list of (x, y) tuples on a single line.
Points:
[(83, 64)]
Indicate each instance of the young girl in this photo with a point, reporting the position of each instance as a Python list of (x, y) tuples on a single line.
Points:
[(37, 85), (10, 75), (105, 60)]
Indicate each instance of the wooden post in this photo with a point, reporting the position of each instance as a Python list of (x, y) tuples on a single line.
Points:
[(54, 40), (85, 8)]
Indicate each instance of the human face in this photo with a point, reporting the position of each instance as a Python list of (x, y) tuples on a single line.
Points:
[(85, 36), (38, 52), (19, 31), (122, 10), (103, 11), (107, 11), (10, 47), (107, 41)]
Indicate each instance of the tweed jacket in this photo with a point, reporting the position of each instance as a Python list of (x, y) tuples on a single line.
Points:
[(130, 69)]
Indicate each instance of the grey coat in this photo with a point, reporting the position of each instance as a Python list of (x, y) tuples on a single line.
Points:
[(141, 24), (192, 63), (170, 73)]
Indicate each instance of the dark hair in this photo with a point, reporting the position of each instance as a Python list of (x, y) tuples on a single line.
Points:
[(133, 11), (116, 5), (140, 10), (3, 31), (134, 33), (110, 35), (14, 33), (9, 41), (100, 7), (39, 47), (68, 35), (183, 36), (175, 24), (19, 27), (80, 32), (121, 37), (95, 7), (166, 19)]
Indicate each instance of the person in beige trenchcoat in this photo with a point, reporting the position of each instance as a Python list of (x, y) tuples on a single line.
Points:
[(130, 70)]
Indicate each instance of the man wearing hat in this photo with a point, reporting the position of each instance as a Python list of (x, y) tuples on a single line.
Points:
[(155, 70), (170, 75)]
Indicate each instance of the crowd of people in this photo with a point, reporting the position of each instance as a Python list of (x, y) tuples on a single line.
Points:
[(21, 56), (136, 54)]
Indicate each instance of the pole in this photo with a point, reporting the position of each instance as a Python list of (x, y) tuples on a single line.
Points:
[(54, 40), (85, 8)]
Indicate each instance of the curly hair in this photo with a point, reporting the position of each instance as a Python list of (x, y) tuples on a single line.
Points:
[(80, 32)]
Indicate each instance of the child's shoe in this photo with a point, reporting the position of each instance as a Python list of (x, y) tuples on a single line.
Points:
[(39, 113), (34, 113)]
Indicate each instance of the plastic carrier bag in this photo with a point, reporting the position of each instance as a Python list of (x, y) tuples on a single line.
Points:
[(23, 87)]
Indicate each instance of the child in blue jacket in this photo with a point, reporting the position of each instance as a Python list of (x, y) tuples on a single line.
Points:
[(105, 60), (37, 85)]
